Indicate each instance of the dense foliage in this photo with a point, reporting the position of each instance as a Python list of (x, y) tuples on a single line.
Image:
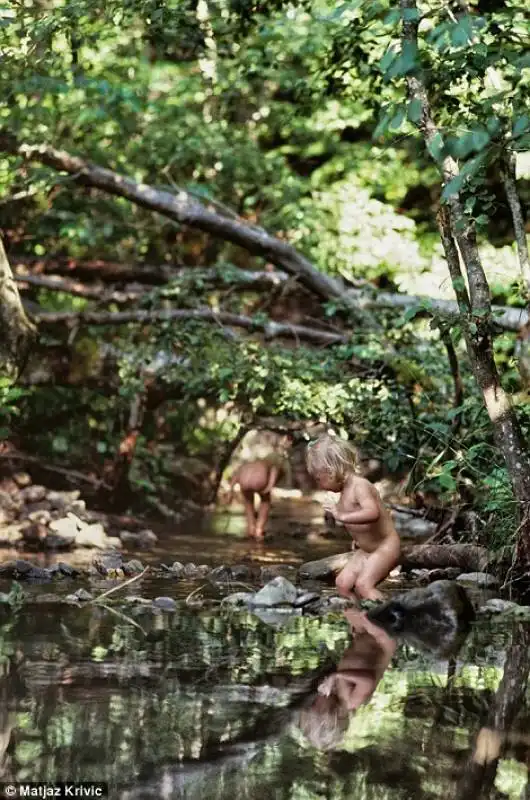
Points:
[(293, 115)]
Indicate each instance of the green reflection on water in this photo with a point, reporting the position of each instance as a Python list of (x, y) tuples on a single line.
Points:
[(209, 701)]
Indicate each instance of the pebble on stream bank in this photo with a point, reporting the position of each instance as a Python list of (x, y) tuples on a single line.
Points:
[(37, 518)]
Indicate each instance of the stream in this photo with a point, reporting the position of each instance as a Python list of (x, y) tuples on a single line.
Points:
[(211, 702)]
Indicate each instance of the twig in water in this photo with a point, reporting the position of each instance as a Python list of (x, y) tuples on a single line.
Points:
[(120, 586), (195, 591), (125, 617)]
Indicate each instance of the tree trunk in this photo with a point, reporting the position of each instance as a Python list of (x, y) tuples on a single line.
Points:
[(467, 557), (16, 331), (459, 240)]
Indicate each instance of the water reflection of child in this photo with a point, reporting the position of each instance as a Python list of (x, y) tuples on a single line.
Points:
[(351, 685)]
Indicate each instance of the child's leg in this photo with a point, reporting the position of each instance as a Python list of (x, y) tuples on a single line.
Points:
[(376, 568), (248, 499), (263, 514), (347, 577)]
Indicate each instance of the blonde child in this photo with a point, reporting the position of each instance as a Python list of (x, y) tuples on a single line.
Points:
[(331, 462)]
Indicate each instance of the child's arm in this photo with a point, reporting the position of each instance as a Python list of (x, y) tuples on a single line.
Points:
[(365, 506), (233, 481), (273, 477)]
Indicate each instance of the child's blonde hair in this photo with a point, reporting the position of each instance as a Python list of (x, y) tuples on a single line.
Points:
[(332, 455), (324, 728)]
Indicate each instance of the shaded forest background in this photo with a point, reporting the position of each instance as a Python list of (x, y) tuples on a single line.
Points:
[(232, 215)]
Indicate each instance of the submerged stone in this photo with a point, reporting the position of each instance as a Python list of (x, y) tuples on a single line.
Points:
[(81, 595), (165, 603), (277, 592)]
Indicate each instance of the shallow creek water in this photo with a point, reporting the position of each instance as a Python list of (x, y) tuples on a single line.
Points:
[(213, 703)]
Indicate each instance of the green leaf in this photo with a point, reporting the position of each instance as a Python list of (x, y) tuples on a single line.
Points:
[(388, 58), (413, 311), (410, 14), (404, 63), (414, 110), (520, 125), (436, 146), (397, 120), (462, 32), (468, 170)]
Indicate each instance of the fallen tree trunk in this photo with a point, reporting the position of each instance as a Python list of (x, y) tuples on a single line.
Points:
[(506, 318), (467, 557), (186, 210), (509, 319), (270, 328)]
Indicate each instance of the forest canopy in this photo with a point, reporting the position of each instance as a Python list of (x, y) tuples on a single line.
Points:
[(224, 215)]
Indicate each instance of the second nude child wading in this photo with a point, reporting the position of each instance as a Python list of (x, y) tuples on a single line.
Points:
[(257, 478), (331, 462)]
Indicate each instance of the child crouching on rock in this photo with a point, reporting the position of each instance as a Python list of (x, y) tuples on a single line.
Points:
[(331, 462)]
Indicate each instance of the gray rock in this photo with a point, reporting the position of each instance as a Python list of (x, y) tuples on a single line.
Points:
[(62, 500), (79, 596), (32, 494), (238, 599), (42, 516), (335, 603), (241, 572), (277, 592), (78, 506), (22, 479), (6, 516), (54, 542), (190, 570), (306, 598), (143, 540), (92, 536), (177, 569), (8, 502), (108, 562), (444, 574), (481, 579), (67, 569), (222, 574), (132, 567), (165, 603), (64, 527), (12, 534), (497, 606)]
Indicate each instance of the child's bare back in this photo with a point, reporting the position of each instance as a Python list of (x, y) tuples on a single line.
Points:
[(331, 462), (257, 477)]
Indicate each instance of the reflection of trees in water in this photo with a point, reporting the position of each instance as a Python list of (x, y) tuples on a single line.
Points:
[(204, 703)]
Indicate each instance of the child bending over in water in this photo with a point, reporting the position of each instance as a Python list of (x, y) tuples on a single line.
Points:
[(331, 462), (257, 477)]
